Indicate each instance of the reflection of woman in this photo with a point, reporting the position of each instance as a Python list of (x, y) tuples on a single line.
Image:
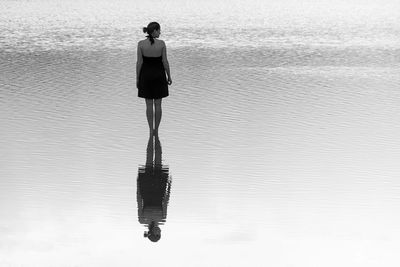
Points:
[(152, 67), (153, 189)]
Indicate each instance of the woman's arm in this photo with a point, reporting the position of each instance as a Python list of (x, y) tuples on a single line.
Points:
[(139, 201), (139, 63), (166, 197), (165, 62)]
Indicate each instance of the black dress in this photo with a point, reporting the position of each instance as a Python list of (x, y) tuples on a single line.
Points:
[(153, 191), (152, 79)]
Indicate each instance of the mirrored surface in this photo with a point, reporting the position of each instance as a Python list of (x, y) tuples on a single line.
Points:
[(280, 131)]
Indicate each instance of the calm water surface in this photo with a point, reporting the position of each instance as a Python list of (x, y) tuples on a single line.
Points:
[(278, 144)]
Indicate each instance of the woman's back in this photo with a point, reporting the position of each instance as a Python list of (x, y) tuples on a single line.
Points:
[(152, 67), (152, 50)]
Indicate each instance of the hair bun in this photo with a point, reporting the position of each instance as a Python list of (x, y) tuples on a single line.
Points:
[(145, 29)]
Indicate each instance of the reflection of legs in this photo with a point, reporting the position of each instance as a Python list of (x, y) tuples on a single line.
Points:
[(149, 151), (157, 151), (149, 113), (158, 113)]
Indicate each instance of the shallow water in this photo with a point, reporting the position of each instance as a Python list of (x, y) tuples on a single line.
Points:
[(280, 134)]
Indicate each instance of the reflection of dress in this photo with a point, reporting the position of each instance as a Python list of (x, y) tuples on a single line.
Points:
[(152, 80), (153, 189)]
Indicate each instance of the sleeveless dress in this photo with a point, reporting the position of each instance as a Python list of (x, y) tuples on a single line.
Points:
[(153, 191), (152, 79)]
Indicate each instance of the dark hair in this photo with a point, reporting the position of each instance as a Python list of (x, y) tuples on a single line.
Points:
[(151, 235), (150, 29)]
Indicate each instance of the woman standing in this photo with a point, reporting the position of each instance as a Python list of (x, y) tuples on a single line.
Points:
[(152, 67)]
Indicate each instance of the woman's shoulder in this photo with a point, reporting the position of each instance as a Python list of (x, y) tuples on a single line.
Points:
[(160, 41), (141, 42), (155, 40)]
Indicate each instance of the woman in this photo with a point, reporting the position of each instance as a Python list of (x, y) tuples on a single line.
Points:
[(153, 190), (152, 65)]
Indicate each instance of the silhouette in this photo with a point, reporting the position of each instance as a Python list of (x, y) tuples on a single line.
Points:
[(152, 73), (153, 190)]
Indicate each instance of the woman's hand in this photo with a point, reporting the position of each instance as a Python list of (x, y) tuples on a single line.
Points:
[(137, 84), (169, 81)]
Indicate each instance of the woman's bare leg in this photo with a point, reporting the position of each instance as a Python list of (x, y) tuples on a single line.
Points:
[(158, 113), (149, 113)]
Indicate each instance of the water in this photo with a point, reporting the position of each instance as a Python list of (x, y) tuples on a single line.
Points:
[(280, 134)]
